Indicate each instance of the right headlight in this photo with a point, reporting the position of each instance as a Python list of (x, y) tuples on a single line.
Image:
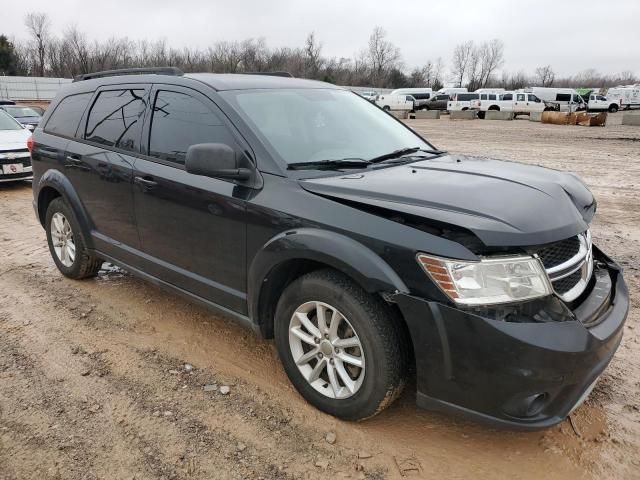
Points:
[(488, 281)]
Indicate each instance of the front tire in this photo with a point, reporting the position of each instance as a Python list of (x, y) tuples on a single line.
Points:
[(613, 108), (67, 244), (344, 350)]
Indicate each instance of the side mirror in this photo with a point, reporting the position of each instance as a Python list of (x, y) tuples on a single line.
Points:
[(215, 160)]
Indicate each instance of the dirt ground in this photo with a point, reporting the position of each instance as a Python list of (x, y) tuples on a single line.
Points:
[(104, 378)]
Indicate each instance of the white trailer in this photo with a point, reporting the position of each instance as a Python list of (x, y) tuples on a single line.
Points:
[(624, 97)]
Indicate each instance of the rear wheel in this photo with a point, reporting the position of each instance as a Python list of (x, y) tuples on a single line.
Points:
[(67, 244), (613, 108), (343, 349), (386, 108)]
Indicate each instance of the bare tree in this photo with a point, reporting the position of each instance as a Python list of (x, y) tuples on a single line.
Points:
[(460, 63), (38, 25), (491, 57), (313, 56), (383, 56), (545, 76)]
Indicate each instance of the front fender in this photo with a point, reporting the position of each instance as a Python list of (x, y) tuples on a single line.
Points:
[(333, 249), (60, 183)]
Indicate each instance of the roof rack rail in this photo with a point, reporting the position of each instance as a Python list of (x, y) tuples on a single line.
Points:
[(271, 74), (130, 71)]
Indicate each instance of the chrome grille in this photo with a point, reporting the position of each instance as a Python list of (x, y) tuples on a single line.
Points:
[(569, 265)]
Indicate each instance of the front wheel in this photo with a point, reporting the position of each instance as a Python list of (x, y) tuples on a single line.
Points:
[(386, 108), (67, 244), (344, 350), (613, 108)]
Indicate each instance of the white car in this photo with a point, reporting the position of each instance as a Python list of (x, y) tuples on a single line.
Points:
[(562, 99), (599, 102), (518, 102), (464, 101), (395, 102), (371, 96), (15, 159)]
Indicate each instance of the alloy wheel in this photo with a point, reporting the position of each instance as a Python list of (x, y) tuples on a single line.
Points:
[(62, 239), (326, 350)]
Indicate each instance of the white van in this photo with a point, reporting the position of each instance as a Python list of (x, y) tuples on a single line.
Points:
[(395, 102), (519, 102), (452, 90), (624, 97), (463, 101), (562, 99), (420, 94)]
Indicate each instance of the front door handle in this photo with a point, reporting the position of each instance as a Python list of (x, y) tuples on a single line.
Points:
[(147, 183), (73, 159)]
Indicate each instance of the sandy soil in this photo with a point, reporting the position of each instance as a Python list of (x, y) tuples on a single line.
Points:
[(93, 382)]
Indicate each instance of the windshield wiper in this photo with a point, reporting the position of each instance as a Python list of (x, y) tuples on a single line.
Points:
[(403, 152), (335, 163)]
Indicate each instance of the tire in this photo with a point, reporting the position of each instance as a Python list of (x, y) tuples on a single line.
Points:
[(386, 108), (382, 350), (481, 115), (613, 108), (82, 264)]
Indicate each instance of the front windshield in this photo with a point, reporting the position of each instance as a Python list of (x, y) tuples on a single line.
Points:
[(312, 125), (8, 123), (21, 111)]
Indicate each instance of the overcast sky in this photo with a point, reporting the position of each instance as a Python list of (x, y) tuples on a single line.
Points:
[(569, 35)]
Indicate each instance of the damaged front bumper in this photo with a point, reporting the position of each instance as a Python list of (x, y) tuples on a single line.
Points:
[(524, 371)]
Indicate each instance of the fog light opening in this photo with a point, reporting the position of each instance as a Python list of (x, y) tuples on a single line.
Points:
[(528, 406)]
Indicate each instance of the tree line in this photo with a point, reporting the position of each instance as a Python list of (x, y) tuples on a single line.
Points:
[(378, 64)]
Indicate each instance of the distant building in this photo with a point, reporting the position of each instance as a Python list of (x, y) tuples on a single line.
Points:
[(37, 91)]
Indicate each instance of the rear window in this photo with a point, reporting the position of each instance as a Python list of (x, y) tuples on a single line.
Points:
[(65, 118), (465, 97), (115, 118)]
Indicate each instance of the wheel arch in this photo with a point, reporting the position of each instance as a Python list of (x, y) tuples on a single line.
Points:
[(54, 184), (294, 253)]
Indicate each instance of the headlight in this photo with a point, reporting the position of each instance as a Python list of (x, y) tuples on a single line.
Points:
[(489, 281)]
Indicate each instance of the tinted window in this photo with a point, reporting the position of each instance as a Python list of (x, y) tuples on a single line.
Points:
[(65, 118), (443, 97), (179, 121), (507, 96), (421, 96), (563, 97), (492, 97), (319, 124), (115, 118), (483, 96), (465, 97), (533, 98)]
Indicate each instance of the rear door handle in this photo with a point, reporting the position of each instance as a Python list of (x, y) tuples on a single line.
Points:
[(147, 183), (73, 159)]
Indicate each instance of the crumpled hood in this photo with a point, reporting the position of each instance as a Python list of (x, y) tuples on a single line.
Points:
[(502, 203)]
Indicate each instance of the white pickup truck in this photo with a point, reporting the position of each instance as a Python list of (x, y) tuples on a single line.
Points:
[(518, 102), (395, 102)]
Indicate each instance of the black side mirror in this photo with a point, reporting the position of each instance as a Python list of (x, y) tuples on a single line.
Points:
[(215, 160)]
